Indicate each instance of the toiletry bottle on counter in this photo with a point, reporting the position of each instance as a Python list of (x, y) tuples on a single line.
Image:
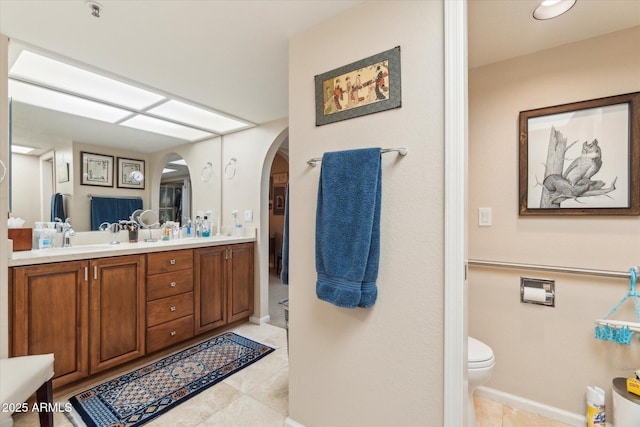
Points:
[(198, 226), (238, 225), (166, 230), (206, 231)]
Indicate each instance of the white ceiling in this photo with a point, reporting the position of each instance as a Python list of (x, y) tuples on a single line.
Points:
[(502, 29), (233, 55)]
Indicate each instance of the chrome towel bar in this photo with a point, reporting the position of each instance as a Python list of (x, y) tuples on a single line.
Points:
[(401, 151), (555, 269)]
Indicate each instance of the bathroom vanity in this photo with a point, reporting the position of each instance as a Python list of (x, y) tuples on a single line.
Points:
[(99, 306)]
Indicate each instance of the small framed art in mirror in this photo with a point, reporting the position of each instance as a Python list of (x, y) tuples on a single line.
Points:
[(96, 169)]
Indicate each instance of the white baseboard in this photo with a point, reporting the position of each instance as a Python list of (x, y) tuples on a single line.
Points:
[(259, 320), (538, 408), (289, 422)]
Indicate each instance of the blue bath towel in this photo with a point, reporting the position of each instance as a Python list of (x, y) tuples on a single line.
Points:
[(284, 274), (112, 209), (57, 207), (348, 227)]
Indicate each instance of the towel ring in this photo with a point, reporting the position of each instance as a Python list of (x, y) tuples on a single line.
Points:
[(4, 171), (230, 168), (205, 173)]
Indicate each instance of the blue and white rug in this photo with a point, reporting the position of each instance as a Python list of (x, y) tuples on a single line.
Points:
[(139, 396)]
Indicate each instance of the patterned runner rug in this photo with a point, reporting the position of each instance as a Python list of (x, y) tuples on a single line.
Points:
[(141, 395)]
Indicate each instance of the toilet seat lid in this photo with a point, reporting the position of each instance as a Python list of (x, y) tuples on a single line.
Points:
[(480, 355)]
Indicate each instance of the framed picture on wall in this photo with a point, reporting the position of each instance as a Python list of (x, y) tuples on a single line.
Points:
[(581, 158), (279, 195), (130, 173), (96, 169), (363, 87), (280, 179)]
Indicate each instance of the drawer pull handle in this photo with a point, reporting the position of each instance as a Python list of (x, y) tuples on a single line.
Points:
[(173, 284), (173, 308), (173, 333), (172, 262)]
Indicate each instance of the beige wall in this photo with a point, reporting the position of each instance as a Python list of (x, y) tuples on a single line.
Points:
[(545, 354), (25, 170), (384, 365)]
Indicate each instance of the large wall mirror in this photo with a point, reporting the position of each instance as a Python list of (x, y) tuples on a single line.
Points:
[(53, 165)]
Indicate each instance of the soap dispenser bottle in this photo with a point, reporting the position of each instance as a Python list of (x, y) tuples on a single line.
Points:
[(238, 225), (206, 231)]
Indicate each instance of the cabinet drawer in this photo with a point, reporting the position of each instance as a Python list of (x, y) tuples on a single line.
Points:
[(170, 308), (169, 333), (163, 262), (168, 284)]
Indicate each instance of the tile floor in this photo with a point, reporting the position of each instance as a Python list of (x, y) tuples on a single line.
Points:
[(256, 396), (494, 414)]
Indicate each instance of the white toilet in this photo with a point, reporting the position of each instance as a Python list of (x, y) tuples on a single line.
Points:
[(479, 368)]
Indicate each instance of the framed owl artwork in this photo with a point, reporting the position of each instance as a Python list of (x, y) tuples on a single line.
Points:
[(581, 158)]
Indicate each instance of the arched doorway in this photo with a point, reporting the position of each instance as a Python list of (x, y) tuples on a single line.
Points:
[(280, 145), (278, 291)]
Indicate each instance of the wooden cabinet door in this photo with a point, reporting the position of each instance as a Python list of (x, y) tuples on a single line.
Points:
[(239, 281), (117, 318), (209, 289), (50, 315)]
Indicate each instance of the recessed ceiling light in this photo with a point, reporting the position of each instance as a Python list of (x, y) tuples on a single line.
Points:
[(58, 101), (151, 124), (55, 74), (21, 149), (191, 115), (549, 9)]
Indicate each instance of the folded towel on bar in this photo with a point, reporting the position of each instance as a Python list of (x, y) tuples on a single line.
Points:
[(112, 209), (57, 207), (348, 227), (284, 274)]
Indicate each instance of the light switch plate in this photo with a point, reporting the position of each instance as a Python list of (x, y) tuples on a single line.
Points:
[(248, 215), (484, 217)]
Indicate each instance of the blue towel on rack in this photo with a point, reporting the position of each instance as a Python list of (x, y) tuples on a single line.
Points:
[(348, 227), (284, 273), (57, 207), (112, 209)]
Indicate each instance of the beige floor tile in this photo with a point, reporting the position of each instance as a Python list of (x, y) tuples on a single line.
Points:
[(519, 418), (245, 412), (274, 392), (253, 375), (488, 412)]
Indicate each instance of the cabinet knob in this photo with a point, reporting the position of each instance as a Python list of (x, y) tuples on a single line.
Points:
[(173, 284), (172, 262), (173, 333), (173, 308)]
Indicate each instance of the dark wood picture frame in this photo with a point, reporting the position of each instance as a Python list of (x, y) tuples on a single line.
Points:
[(581, 158), (363, 87), (96, 169), (125, 167), (279, 200)]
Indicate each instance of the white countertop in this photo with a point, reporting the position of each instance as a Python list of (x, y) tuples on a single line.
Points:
[(103, 250)]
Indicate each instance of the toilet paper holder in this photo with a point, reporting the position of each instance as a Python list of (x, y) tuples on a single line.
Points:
[(537, 291)]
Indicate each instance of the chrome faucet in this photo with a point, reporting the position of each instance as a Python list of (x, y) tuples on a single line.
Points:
[(67, 232)]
